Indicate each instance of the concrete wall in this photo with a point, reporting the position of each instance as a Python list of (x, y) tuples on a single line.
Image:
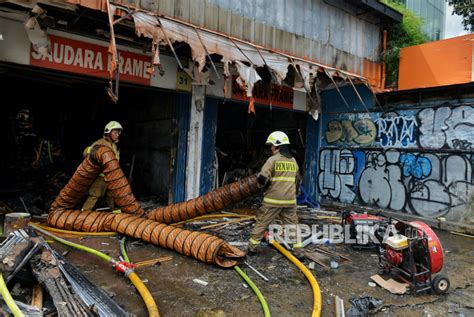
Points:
[(414, 158)]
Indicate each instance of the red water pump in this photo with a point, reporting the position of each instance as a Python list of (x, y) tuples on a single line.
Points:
[(414, 255), (355, 221)]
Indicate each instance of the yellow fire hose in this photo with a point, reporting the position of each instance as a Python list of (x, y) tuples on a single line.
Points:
[(132, 276), (7, 297), (76, 233), (317, 302)]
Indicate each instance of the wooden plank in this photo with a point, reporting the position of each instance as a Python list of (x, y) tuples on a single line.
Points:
[(339, 303), (332, 253), (228, 222), (316, 258), (153, 261), (37, 296)]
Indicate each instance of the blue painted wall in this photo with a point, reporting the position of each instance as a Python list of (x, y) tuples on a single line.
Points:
[(333, 101), (183, 107), (208, 145)]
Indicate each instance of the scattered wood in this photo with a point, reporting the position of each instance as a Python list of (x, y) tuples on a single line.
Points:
[(198, 281), (462, 234), (14, 256), (47, 272), (4, 209), (37, 297), (316, 258), (153, 261), (331, 253), (228, 222), (339, 303)]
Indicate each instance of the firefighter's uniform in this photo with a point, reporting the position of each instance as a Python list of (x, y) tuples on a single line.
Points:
[(280, 197), (99, 187)]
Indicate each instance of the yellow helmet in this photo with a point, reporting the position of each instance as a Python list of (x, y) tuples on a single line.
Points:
[(278, 138), (112, 125)]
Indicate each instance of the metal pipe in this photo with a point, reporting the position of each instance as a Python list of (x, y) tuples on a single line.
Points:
[(258, 273), (169, 43), (340, 93), (384, 64), (207, 53)]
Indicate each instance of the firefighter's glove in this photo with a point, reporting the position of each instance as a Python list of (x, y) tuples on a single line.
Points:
[(262, 181)]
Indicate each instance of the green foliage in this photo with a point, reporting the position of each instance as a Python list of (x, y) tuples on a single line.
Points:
[(464, 8), (401, 35)]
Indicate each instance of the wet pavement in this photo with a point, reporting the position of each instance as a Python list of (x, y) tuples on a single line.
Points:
[(287, 292)]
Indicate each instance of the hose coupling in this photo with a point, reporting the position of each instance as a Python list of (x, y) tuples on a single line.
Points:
[(124, 267)]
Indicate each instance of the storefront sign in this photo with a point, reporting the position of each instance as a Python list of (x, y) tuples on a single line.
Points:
[(91, 59), (183, 81), (279, 96)]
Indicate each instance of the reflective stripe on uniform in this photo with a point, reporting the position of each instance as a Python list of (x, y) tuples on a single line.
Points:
[(254, 242), (285, 166), (291, 179), (279, 201), (89, 149)]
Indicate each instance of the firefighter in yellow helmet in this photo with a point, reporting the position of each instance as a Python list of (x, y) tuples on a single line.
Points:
[(98, 189), (278, 176)]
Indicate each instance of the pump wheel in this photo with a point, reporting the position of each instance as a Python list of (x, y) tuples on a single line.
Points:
[(440, 284)]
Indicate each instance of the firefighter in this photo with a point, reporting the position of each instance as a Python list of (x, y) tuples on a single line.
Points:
[(278, 177), (98, 189), (26, 139)]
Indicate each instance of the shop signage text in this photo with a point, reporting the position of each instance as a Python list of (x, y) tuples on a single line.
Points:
[(93, 60), (279, 96)]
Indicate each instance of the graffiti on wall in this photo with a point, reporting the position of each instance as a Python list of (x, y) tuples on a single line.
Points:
[(448, 186), (447, 128), (429, 185), (339, 172), (387, 130), (424, 164), (381, 181), (431, 128), (362, 131), (396, 130)]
